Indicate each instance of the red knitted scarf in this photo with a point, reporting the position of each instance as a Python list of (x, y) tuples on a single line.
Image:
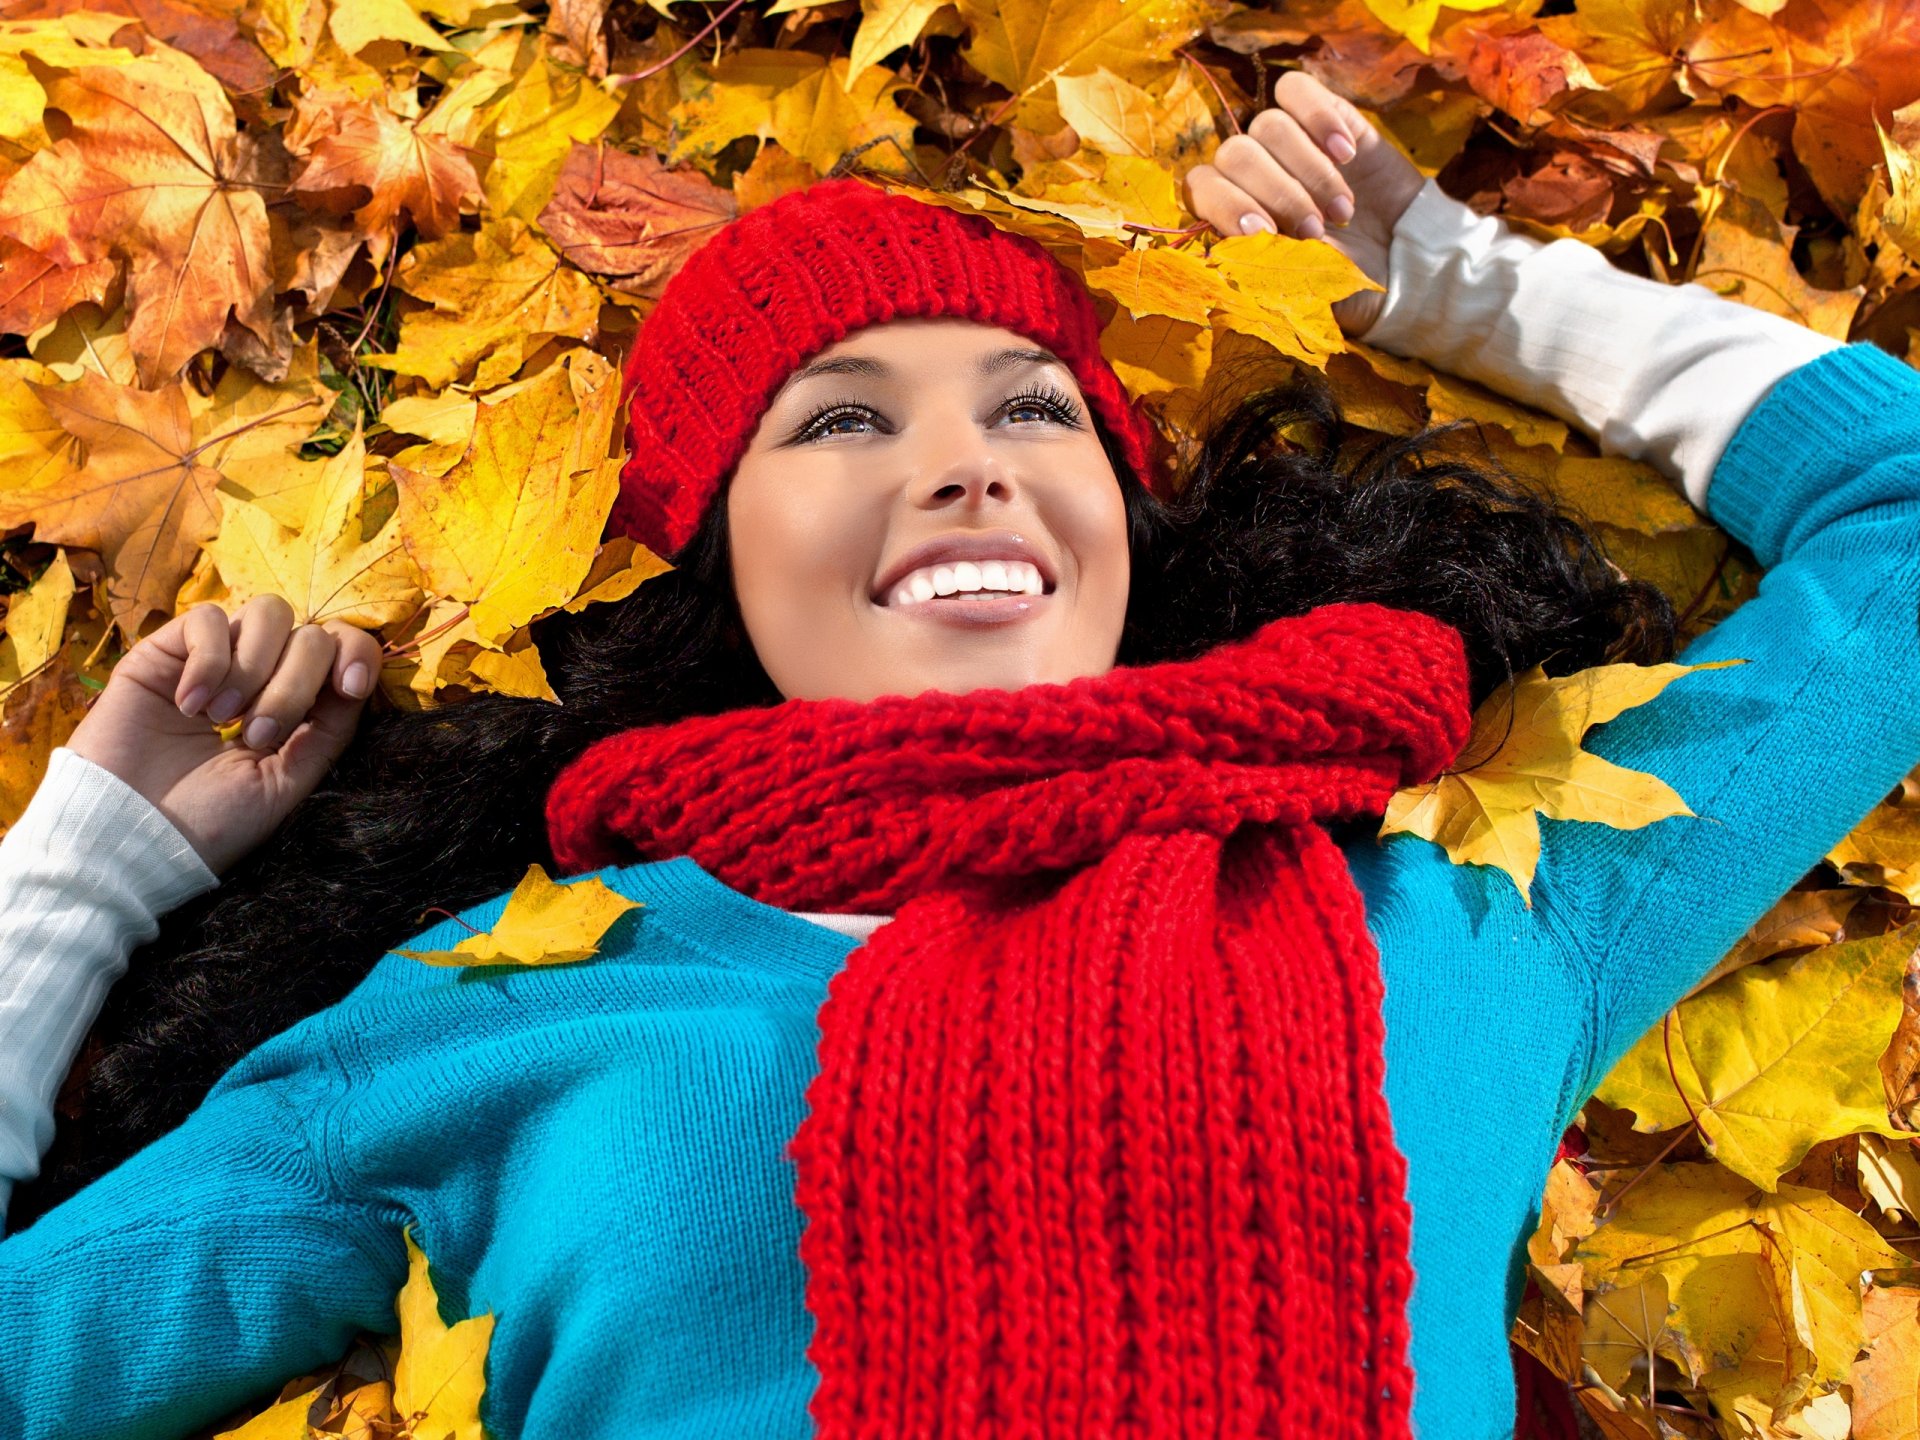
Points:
[(1098, 1145)]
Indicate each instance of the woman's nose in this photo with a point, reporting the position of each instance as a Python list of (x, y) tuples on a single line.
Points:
[(954, 460)]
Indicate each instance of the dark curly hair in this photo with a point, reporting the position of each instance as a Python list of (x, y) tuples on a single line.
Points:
[(443, 807)]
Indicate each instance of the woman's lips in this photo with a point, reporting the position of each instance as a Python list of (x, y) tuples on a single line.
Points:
[(973, 610)]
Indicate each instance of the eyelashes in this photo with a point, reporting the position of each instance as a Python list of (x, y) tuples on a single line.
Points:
[(1057, 403)]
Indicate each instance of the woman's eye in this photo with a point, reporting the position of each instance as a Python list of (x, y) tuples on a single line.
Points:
[(1046, 407)]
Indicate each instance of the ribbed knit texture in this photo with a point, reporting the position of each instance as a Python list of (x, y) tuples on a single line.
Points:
[(1098, 1146), (782, 283)]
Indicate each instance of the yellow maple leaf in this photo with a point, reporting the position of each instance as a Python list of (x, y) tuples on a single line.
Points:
[(1883, 849), (1022, 45), (1735, 1260), (36, 623), (1775, 1058), (1415, 19), (531, 127), (1111, 113), (356, 24), (1281, 290), (808, 103), (497, 296), (323, 568), (1523, 759), (286, 1420), (441, 1374), (544, 924), (885, 26), (1901, 215), (512, 529)]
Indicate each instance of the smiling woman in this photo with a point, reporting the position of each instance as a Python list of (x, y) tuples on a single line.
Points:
[(929, 454), (1022, 1023)]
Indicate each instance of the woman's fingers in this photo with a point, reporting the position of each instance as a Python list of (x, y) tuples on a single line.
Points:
[(1330, 122), (1283, 172), (356, 665), (1247, 165), (205, 634), (258, 633), (304, 665), (1306, 162)]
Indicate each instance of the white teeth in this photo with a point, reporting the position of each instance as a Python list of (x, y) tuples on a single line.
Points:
[(1016, 577)]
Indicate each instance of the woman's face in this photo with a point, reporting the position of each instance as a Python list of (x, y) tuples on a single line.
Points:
[(896, 543)]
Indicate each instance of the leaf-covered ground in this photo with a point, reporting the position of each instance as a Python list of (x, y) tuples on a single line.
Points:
[(328, 297)]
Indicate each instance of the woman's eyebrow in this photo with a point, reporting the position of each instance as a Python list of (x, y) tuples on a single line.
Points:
[(989, 365)]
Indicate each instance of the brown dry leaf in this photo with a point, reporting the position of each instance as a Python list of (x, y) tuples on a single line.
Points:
[(1747, 256), (543, 924), (1523, 760), (154, 169), (1886, 1382), (1835, 62), (36, 717), (35, 289), (630, 218), (144, 498)]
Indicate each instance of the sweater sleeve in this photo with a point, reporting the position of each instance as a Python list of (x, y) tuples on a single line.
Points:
[(1808, 452), (1661, 373), (85, 875), (210, 1268), (1781, 756)]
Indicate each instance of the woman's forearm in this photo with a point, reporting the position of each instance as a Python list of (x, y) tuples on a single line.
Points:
[(1661, 373), (85, 875)]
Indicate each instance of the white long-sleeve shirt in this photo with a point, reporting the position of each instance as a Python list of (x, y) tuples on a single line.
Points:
[(1660, 373)]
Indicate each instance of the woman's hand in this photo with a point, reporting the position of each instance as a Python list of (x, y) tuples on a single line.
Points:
[(1312, 167), (301, 691)]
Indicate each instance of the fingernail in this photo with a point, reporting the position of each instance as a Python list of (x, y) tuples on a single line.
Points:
[(356, 681), (196, 697), (261, 731), (1310, 228), (1251, 222), (1341, 209), (225, 706), (1340, 147)]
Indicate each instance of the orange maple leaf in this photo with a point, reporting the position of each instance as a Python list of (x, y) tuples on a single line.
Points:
[(154, 170)]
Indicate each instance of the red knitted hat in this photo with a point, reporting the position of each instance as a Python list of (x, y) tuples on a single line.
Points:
[(784, 282)]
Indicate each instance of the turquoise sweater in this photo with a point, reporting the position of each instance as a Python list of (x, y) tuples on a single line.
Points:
[(594, 1152)]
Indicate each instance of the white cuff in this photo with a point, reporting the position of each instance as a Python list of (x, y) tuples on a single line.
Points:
[(85, 875), (1660, 373)]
